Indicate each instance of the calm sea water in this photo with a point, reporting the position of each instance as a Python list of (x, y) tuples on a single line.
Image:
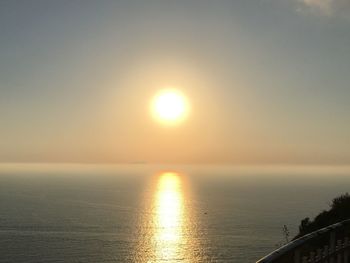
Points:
[(139, 213)]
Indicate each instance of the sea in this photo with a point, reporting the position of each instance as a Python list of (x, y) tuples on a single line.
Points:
[(98, 213)]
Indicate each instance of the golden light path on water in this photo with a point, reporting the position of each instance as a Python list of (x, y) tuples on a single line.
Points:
[(169, 206), (167, 233)]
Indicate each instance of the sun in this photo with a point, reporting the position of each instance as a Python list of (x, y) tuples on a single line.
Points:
[(170, 106)]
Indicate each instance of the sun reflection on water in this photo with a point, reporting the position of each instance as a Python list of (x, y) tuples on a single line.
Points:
[(166, 232), (169, 217)]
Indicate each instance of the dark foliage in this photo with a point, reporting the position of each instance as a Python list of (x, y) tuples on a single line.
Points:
[(339, 211)]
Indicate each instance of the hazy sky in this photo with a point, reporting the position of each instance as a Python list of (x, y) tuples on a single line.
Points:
[(268, 80)]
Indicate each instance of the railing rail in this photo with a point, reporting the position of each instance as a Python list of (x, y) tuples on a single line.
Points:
[(327, 245)]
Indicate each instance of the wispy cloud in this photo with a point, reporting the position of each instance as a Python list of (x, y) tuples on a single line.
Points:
[(325, 7), (322, 6)]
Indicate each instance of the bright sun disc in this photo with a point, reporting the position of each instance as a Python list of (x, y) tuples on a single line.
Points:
[(169, 106)]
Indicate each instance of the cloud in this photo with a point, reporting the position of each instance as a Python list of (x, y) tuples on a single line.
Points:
[(325, 7)]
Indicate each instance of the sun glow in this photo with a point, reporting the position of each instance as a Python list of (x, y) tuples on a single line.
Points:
[(170, 106)]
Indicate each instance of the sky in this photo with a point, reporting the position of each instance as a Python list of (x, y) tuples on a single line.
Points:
[(268, 81)]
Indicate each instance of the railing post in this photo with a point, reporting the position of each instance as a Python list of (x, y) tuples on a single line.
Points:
[(297, 256), (346, 250), (332, 246), (338, 250), (325, 252)]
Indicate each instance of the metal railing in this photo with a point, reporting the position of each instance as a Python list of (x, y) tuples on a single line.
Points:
[(327, 245)]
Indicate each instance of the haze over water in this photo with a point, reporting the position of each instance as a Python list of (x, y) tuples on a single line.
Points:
[(140, 213)]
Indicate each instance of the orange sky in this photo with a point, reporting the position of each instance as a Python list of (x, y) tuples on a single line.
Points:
[(266, 83)]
